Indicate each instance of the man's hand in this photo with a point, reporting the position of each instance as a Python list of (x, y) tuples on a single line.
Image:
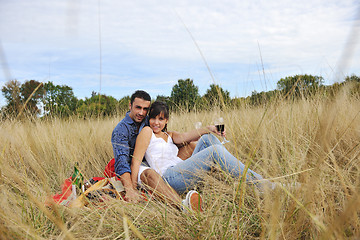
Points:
[(133, 196)]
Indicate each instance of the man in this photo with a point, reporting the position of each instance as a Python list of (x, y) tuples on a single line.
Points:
[(123, 141)]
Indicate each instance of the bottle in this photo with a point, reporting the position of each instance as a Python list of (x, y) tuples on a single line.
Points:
[(77, 178)]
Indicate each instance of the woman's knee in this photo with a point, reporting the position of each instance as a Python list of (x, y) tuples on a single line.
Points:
[(209, 139), (149, 175), (219, 147)]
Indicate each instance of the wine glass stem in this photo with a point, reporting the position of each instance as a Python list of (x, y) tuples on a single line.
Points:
[(224, 140)]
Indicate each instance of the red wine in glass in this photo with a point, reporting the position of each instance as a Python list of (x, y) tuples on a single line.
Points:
[(220, 128)]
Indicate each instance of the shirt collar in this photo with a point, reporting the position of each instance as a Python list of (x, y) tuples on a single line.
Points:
[(129, 120)]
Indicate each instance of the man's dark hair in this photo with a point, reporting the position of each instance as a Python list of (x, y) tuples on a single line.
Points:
[(140, 94)]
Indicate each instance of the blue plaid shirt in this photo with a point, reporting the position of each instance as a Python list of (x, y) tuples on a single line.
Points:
[(123, 141)]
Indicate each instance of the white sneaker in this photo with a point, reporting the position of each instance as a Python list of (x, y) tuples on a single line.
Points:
[(192, 202)]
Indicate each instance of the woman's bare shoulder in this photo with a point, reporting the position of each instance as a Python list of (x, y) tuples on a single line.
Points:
[(146, 128), (172, 133), (146, 131)]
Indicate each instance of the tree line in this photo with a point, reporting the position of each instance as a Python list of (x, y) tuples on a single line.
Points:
[(49, 100)]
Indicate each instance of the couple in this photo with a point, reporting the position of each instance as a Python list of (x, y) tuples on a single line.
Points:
[(138, 136)]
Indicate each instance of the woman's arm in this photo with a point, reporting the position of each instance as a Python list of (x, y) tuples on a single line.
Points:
[(142, 143), (193, 135)]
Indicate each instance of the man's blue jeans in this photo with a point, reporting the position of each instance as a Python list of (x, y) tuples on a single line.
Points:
[(208, 152)]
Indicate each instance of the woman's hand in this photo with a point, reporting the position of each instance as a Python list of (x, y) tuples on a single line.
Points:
[(212, 128), (194, 135)]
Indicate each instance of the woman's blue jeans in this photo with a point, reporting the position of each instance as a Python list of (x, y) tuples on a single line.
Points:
[(209, 151)]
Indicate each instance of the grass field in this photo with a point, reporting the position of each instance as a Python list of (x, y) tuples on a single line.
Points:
[(313, 142)]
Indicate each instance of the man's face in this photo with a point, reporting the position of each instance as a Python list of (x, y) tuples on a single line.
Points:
[(138, 109)]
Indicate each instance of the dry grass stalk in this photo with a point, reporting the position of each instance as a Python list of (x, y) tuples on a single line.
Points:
[(312, 141)]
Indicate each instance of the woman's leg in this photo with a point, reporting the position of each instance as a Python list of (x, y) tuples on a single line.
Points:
[(205, 141), (185, 175)]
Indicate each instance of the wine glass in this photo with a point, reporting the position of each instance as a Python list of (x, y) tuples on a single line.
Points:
[(220, 127), (198, 125)]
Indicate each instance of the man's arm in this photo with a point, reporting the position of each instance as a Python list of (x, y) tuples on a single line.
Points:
[(132, 194), (121, 148)]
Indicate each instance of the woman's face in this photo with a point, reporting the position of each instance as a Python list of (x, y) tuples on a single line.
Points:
[(158, 123)]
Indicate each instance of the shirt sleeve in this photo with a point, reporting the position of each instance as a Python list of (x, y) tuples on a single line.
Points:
[(121, 148)]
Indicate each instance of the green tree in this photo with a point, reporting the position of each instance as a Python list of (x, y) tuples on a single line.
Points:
[(123, 104), (255, 98), (11, 92), (300, 84), (185, 94), (216, 96), (238, 102), (31, 94), (59, 100), (352, 78), (167, 100), (97, 105), (354, 82), (162, 98), (263, 97)]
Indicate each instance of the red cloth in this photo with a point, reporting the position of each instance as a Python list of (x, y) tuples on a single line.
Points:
[(66, 186), (109, 172), (110, 169), (66, 191), (97, 178)]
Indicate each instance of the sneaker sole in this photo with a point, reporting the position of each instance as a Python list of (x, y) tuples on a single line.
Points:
[(195, 201)]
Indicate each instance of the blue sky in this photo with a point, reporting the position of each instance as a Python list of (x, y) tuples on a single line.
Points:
[(145, 44)]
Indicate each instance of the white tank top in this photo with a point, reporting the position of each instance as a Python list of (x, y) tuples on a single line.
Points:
[(161, 154)]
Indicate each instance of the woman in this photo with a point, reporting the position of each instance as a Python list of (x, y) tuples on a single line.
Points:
[(160, 150)]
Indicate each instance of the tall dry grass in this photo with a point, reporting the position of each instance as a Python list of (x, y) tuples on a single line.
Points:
[(315, 142)]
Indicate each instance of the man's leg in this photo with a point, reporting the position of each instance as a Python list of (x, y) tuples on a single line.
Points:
[(160, 188)]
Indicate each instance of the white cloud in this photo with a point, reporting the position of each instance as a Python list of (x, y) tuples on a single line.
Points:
[(145, 42)]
